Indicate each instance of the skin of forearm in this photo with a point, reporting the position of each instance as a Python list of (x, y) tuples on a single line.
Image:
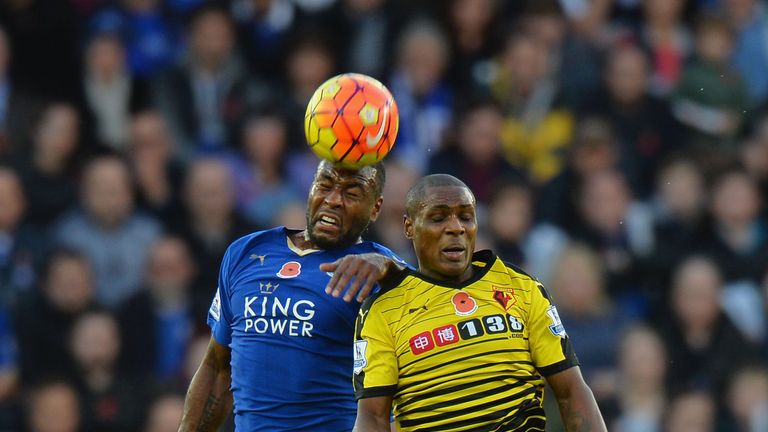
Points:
[(209, 400), (371, 424), (579, 411)]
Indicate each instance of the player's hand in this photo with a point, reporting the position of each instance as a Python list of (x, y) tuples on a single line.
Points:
[(360, 272)]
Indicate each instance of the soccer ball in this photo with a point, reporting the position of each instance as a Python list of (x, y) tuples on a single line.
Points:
[(351, 121)]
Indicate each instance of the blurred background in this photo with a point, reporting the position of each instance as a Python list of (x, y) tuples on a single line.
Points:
[(618, 150)]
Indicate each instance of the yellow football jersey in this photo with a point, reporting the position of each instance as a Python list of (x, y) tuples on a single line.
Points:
[(460, 357)]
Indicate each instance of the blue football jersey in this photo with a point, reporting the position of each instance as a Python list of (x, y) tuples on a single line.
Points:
[(291, 343)]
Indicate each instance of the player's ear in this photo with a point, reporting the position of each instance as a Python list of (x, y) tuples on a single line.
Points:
[(376, 209), (408, 227)]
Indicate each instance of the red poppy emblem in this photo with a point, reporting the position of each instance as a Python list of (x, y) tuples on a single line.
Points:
[(291, 269)]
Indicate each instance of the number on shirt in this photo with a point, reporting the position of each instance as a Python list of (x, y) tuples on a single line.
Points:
[(495, 324), (515, 324), (470, 329)]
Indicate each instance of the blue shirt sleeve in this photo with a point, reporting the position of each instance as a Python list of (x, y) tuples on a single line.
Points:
[(220, 312)]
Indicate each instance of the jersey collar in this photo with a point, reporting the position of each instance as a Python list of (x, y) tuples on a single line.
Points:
[(482, 261)]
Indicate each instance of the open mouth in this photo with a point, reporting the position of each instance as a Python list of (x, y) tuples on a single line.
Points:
[(328, 221), (454, 253)]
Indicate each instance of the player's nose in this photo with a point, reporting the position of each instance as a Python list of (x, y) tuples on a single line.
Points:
[(333, 197)]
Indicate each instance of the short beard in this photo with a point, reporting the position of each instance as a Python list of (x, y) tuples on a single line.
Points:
[(345, 240)]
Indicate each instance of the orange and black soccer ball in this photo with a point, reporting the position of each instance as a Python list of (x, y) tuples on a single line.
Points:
[(351, 121)]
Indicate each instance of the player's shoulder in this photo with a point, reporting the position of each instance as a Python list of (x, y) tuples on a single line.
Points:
[(244, 244), (388, 287), (369, 246), (517, 272)]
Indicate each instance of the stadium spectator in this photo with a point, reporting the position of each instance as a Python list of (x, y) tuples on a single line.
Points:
[(44, 317), (156, 166), (21, 247), (643, 124), (537, 129), (263, 186), (679, 206), (54, 407), (205, 97), (620, 230), (640, 393), (263, 29), (572, 59), (703, 344), (516, 235), (157, 323), (594, 325), (48, 173), (736, 240), (109, 231), (753, 156), (112, 400), (363, 31), (666, 37), (692, 411), (750, 56), (747, 400), (476, 157), (711, 98), (153, 43), (423, 97), (210, 221), (165, 413), (473, 27), (310, 59), (594, 149), (110, 92)]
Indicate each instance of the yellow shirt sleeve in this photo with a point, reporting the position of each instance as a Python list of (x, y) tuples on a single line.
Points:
[(551, 349), (375, 362)]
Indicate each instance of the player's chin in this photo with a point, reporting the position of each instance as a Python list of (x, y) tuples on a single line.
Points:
[(326, 238), (453, 268)]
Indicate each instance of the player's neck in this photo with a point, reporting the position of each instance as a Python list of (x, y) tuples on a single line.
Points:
[(301, 240)]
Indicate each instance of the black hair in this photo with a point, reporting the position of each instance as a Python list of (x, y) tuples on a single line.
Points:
[(415, 196)]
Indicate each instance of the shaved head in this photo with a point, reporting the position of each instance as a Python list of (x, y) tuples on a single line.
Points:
[(414, 200)]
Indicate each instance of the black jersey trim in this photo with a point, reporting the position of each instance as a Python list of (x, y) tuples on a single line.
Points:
[(371, 392), (485, 256), (558, 367), (519, 270)]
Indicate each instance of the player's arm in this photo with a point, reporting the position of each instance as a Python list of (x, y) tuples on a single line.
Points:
[(578, 407), (361, 272), (373, 414), (209, 400)]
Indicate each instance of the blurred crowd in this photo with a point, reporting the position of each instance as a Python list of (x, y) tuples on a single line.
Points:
[(618, 150)]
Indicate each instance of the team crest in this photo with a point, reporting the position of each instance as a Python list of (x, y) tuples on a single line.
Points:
[(463, 303), (289, 270), (504, 296)]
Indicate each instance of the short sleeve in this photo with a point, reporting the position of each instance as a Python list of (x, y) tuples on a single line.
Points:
[(551, 349), (220, 312), (375, 361)]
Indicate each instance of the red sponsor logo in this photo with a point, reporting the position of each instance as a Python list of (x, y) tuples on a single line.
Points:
[(446, 335), (422, 343)]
